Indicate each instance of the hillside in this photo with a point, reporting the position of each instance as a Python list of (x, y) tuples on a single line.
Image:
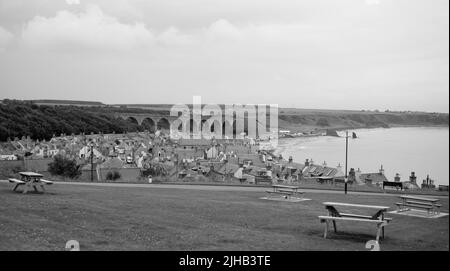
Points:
[(322, 120), (26, 118)]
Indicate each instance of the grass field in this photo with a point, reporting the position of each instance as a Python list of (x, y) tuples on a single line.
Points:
[(136, 218)]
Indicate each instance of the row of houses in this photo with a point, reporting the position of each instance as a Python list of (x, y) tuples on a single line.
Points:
[(107, 156)]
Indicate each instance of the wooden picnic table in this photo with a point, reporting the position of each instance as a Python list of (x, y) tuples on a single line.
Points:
[(334, 215), (28, 180), (430, 204), (286, 191)]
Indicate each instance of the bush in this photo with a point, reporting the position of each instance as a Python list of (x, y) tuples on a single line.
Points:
[(155, 170), (113, 175), (323, 122), (65, 167)]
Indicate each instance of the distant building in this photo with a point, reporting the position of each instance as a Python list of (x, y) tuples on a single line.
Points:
[(428, 183)]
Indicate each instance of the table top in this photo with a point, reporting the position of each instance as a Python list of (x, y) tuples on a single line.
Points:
[(31, 174), (419, 198), (356, 205)]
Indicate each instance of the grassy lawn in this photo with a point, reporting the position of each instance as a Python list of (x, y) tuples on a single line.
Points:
[(111, 218)]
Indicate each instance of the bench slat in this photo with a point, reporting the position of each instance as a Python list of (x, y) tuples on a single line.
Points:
[(12, 180), (352, 219), (427, 207), (422, 203), (290, 191), (46, 181), (362, 216), (337, 204), (281, 193), (419, 198)]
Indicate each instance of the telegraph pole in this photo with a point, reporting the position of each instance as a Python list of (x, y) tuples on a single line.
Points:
[(92, 162), (346, 160)]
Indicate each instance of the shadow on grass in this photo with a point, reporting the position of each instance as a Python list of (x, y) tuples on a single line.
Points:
[(354, 237), (29, 192)]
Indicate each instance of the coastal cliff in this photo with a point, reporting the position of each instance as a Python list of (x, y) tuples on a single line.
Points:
[(315, 120)]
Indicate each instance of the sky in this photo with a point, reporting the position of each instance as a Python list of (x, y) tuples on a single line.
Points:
[(324, 54)]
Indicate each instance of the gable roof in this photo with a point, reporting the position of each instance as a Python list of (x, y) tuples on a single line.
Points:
[(373, 177)]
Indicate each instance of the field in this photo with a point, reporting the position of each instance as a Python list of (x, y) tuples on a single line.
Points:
[(171, 217)]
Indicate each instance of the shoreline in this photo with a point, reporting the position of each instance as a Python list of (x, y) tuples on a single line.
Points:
[(351, 128)]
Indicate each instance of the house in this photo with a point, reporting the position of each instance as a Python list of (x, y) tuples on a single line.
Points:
[(85, 152), (212, 153)]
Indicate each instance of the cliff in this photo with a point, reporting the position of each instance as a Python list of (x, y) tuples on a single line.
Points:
[(303, 121)]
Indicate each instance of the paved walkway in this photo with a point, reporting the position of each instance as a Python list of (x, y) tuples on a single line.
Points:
[(220, 188)]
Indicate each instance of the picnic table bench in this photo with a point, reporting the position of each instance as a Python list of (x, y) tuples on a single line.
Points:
[(287, 191), (334, 215), (431, 205), (28, 180)]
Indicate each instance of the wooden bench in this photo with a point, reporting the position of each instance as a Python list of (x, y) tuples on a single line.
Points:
[(430, 208), (17, 182), (286, 194), (334, 215), (286, 191), (47, 182), (355, 218), (428, 204), (28, 183)]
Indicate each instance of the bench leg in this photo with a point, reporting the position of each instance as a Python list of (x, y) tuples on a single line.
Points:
[(15, 187), (42, 187), (35, 188), (26, 186), (325, 234), (379, 229), (334, 226)]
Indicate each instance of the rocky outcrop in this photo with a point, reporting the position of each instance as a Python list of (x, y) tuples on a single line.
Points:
[(332, 132)]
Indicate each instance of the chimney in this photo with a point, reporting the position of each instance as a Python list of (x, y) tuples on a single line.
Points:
[(352, 175), (381, 170), (290, 159), (397, 178), (307, 162), (413, 178), (324, 164)]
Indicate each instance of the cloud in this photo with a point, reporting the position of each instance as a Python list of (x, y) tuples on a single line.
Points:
[(373, 2), (91, 29), (172, 36), (73, 2), (5, 38), (221, 30)]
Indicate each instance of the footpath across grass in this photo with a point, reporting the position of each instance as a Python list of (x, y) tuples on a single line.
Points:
[(129, 218)]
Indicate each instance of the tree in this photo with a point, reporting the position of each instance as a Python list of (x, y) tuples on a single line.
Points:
[(65, 167)]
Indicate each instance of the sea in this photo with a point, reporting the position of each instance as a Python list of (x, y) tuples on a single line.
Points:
[(423, 150)]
